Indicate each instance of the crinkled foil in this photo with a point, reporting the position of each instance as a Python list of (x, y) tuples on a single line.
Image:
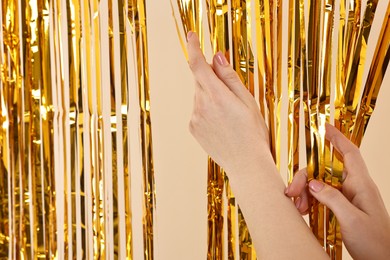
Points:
[(310, 70), (64, 143), (268, 35), (217, 13), (294, 87), (137, 18), (241, 55), (190, 12), (332, 236), (374, 81)]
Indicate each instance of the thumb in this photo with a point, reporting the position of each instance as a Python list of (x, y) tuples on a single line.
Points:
[(335, 200)]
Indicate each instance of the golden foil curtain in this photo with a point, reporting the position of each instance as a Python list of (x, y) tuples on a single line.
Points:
[(74, 75), (313, 74)]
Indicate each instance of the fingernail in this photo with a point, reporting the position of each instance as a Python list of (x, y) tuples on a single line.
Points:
[(298, 202), (221, 59), (316, 186), (189, 35), (286, 190)]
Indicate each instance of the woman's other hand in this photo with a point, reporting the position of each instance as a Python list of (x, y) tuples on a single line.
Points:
[(359, 208)]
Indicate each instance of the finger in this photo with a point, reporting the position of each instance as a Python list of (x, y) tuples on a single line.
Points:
[(298, 190), (335, 200), (353, 161), (227, 75), (339, 141), (202, 71), (303, 205), (298, 184)]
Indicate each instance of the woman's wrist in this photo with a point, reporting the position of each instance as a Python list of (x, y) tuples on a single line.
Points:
[(260, 162)]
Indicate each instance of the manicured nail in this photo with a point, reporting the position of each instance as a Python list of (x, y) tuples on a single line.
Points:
[(221, 59), (316, 186), (298, 202), (189, 35)]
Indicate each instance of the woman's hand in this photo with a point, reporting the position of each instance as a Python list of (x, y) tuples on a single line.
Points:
[(226, 120), (359, 208), (227, 123)]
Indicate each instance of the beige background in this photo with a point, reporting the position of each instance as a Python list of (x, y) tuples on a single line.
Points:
[(180, 164)]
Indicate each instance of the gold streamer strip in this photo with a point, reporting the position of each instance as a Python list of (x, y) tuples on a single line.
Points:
[(333, 241), (137, 17), (348, 42), (123, 107), (98, 186), (243, 59), (294, 86), (11, 78), (114, 122), (308, 54), (215, 182), (342, 55), (219, 35), (33, 71), (243, 64), (119, 127), (267, 58), (313, 61), (278, 77), (217, 11), (374, 81), (4, 235), (352, 29), (232, 219), (304, 75), (259, 13), (95, 234), (59, 145), (74, 128), (64, 147), (355, 72), (190, 12), (89, 110), (316, 213), (33, 67)]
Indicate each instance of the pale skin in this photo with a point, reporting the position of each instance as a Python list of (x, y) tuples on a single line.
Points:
[(227, 123)]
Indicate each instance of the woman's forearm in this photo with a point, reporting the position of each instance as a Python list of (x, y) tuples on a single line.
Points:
[(277, 229)]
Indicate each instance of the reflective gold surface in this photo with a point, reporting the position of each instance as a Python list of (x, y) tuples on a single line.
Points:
[(294, 87), (332, 235), (67, 72), (137, 18), (374, 81), (217, 11), (268, 36), (312, 67), (64, 143), (190, 12)]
